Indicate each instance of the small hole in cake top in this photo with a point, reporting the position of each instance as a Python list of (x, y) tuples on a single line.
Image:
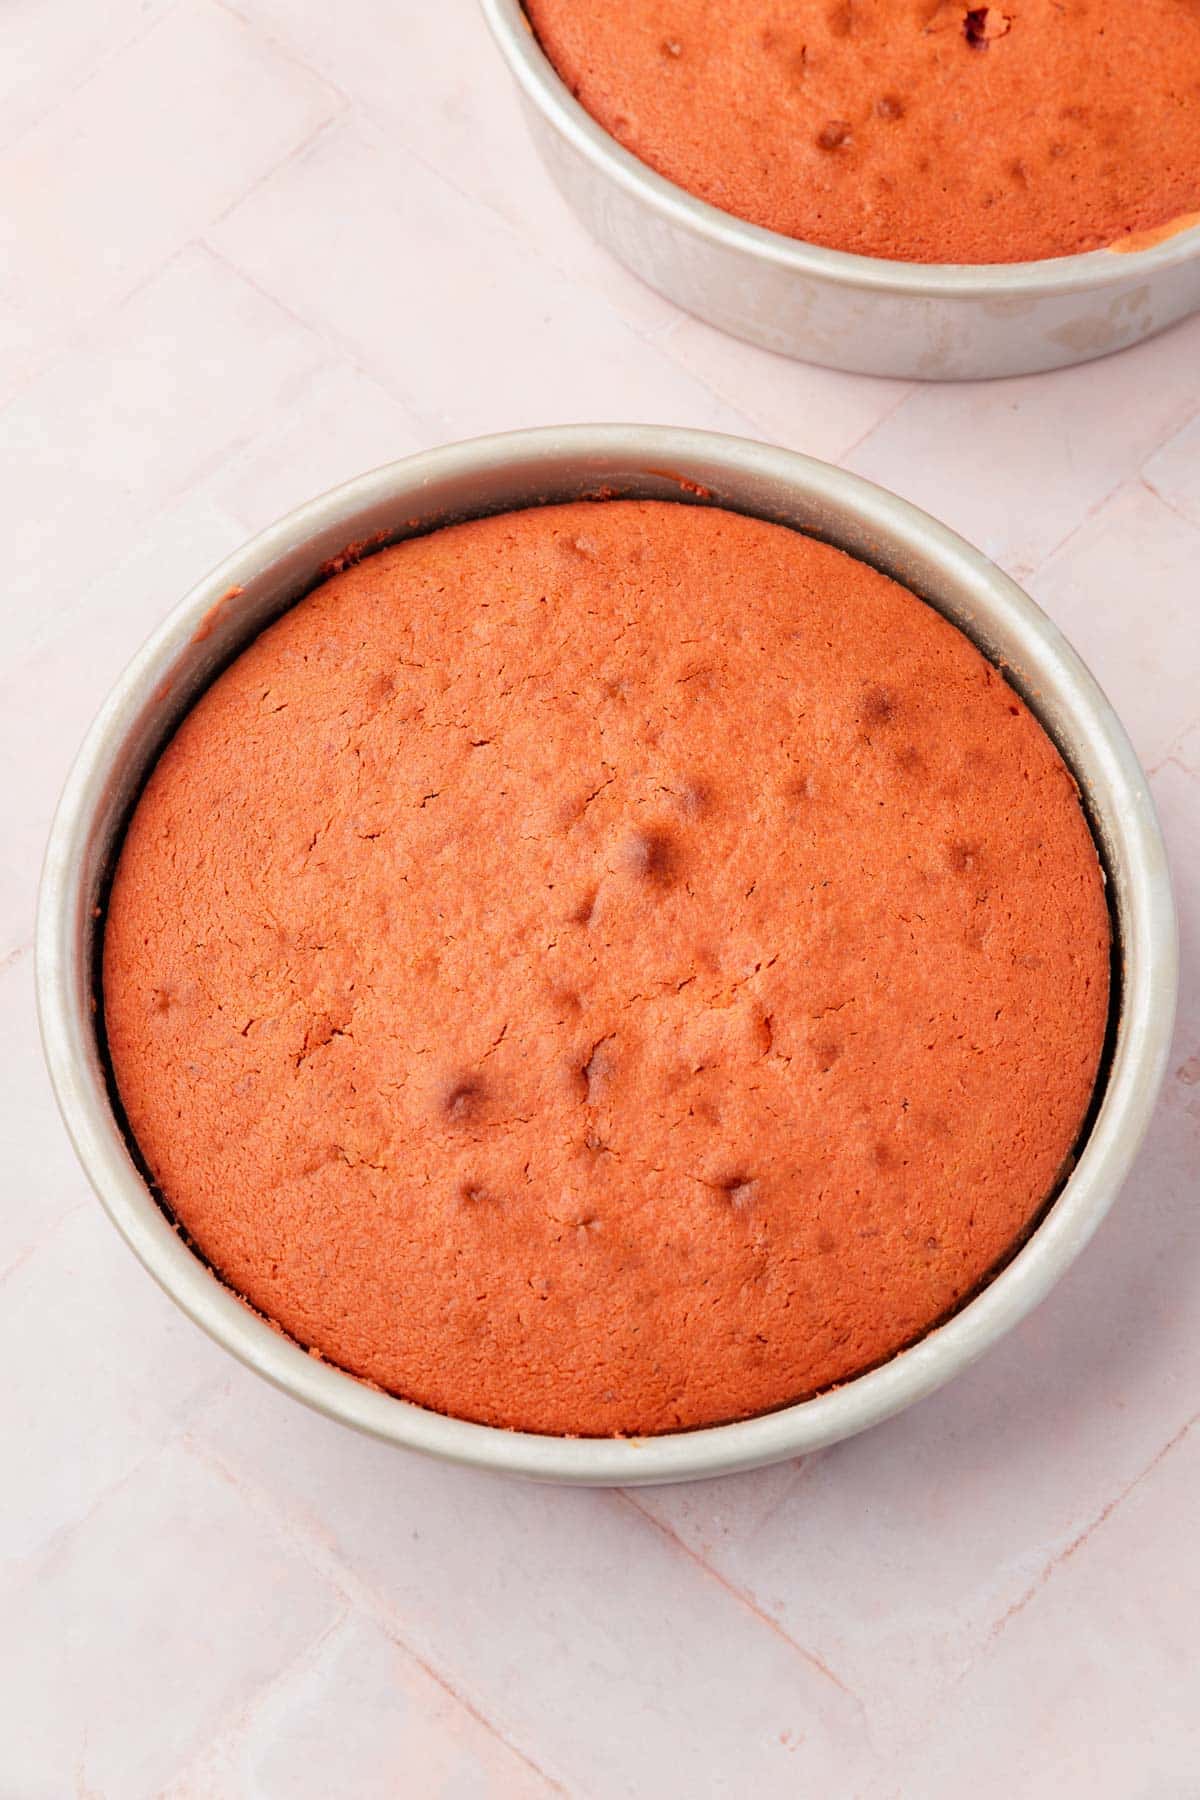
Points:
[(464, 1099), (598, 1070), (584, 913), (962, 857), (836, 135), (693, 798), (650, 855), (878, 707), (983, 24)]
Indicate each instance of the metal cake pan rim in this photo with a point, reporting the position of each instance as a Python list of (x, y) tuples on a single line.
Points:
[(578, 459)]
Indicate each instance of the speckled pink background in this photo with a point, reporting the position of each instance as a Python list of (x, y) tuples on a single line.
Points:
[(252, 249)]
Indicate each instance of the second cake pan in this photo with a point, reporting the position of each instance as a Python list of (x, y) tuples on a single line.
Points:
[(931, 321)]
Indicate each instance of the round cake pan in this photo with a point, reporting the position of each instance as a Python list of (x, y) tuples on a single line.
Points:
[(934, 321), (220, 616)]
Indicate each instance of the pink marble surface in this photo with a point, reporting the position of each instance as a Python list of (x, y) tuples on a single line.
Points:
[(252, 249)]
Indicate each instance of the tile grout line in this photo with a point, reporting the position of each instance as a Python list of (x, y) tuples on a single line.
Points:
[(653, 337), (238, 1724), (325, 356), (287, 52), (1025, 578), (176, 1436), (982, 1650), (35, 1562), (335, 347), (877, 425), (290, 155), (40, 365), (77, 339), (362, 109), (332, 1568), (108, 54), (1189, 424), (1133, 478), (43, 1238), (743, 1599), (1172, 761), (331, 342), (516, 233), (1077, 1543), (1162, 499), (802, 1468)]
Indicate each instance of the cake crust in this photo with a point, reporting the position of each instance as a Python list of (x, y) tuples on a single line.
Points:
[(607, 968), (917, 130)]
